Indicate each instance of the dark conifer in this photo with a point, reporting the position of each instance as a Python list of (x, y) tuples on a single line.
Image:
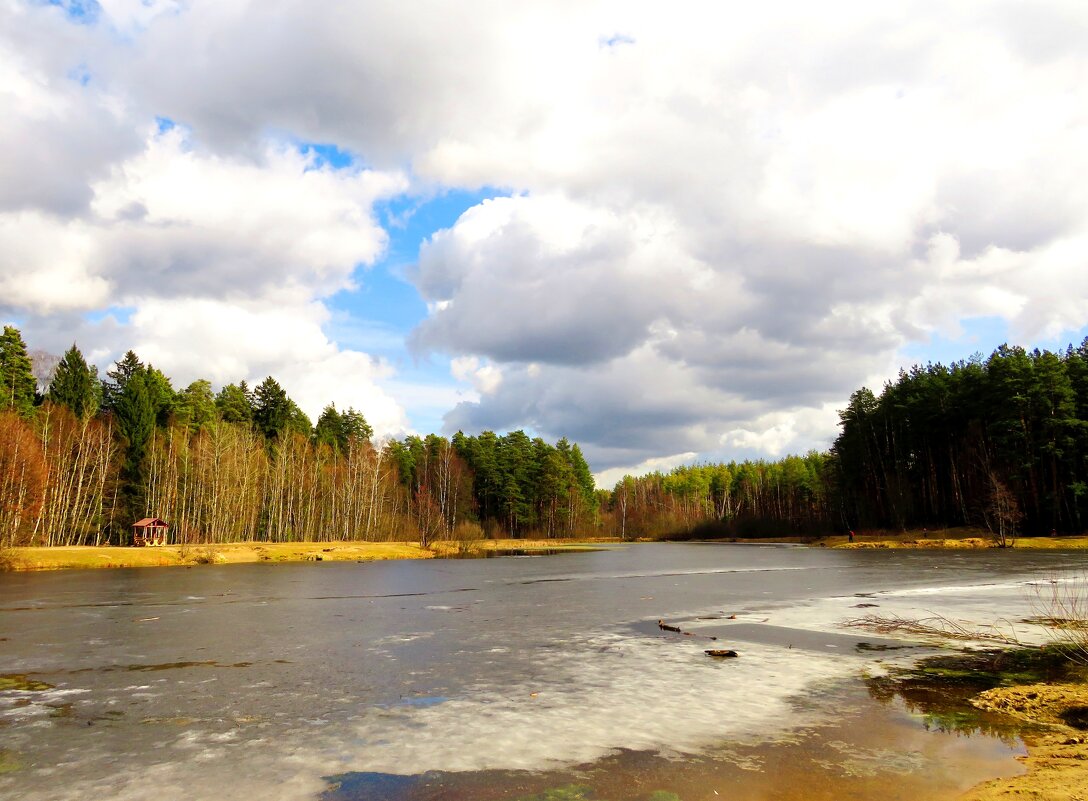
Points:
[(75, 384), (272, 411), (17, 382)]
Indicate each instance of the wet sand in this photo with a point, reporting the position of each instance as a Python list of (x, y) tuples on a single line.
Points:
[(1057, 758)]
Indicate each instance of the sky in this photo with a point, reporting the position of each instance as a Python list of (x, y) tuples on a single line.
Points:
[(670, 232)]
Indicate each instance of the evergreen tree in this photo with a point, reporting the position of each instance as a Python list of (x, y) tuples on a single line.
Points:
[(298, 421), (272, 412), (336, 430), (17, 382), (195, 405), (400, 454), (235, 403), (355, 426), (75, 384), (582, 475), (515, 460), (135, 414), (126, 367), (162, 395), (330, 429)]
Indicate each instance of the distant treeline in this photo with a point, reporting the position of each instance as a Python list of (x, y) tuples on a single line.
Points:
[(1000, 443), (81, 459), (745, 499)]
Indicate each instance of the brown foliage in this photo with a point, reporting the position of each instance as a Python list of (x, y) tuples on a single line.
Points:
[(22, 480), (81, 471)]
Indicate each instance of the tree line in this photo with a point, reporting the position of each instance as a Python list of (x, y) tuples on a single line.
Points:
[(999, 443), (81, 459), (758, 498)]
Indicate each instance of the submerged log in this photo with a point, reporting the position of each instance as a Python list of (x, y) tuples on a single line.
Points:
[(720, 652)]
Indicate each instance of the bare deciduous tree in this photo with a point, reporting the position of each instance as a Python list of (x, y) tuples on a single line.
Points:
[(1001, 514)]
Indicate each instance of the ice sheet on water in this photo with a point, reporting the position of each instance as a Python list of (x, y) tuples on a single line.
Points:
[(408, 636), (642, 574), (954, 589), (212, 774), (988, 607), (599, 694)]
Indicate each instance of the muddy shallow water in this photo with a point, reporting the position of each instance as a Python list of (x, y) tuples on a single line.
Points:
[(499, 678)]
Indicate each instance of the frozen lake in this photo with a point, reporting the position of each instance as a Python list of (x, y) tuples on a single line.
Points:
[(494, 678)]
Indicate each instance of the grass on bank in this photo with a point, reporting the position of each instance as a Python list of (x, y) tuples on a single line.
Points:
[(962, 537), (65, 557)]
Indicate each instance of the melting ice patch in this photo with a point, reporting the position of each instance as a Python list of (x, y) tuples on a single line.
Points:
[(986, 607), (22, 704), (598, 695)]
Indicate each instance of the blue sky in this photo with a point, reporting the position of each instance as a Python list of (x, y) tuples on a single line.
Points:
[(983, 335), (379, 315)]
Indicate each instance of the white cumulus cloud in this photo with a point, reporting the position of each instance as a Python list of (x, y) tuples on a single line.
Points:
[(713, 221)]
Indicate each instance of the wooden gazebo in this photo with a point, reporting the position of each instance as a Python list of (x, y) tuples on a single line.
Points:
[(150, 531)]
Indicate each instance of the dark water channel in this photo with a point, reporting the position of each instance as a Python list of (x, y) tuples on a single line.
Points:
[(503, 678)]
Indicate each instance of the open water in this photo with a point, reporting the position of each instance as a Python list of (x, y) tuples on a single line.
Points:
[(499, 678)]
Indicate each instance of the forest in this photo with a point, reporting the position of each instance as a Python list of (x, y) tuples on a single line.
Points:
[(81, 459), (1000, 443)]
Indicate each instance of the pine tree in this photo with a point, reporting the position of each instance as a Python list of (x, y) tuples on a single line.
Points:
[(355, 426), (74, 384), (329, 428), (126, 367), (298, 421), (583, 477), (135, 415), (195, 405), (162, 395), (336, 430), (235, 403), (272, 411), (17, 382)]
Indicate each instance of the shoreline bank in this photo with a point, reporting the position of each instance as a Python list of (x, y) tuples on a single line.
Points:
[(957, 538), (1042, 692), (68, 557), (1057, 757)]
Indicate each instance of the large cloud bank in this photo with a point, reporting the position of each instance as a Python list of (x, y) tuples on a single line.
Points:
[(713, 222)]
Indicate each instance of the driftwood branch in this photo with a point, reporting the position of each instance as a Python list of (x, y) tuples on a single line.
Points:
[(935, 626)]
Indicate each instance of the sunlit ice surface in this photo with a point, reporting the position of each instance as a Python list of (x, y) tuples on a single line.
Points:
[(294, 681)]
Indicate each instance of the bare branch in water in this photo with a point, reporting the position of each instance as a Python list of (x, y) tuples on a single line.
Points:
[(1062, 604), (935, 626)]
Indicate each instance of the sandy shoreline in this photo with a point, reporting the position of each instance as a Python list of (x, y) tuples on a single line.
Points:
[(955, 538), (1057, 758), (82, 556), (88, 556)]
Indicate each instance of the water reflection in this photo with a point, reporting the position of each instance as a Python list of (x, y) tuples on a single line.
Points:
[(889, 741)]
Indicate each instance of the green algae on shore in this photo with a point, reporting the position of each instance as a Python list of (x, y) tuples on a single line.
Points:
[(21, 683), (9, 763)]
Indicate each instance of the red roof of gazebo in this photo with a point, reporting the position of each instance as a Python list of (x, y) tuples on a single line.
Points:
[(148, 522)]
